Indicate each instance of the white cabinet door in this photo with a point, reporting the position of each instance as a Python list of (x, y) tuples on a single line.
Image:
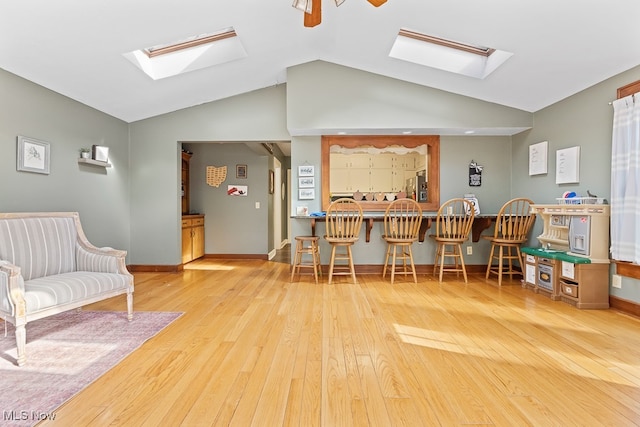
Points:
[(360, 180), (339, 180)]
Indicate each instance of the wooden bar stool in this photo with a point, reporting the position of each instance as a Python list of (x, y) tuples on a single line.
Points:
[(307, 245), (513, 224), (343, 223)]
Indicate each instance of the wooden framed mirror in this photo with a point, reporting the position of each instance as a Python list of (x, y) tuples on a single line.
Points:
[(375, 168)]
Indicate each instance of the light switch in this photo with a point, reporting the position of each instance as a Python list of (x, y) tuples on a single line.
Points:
[(257, 205)]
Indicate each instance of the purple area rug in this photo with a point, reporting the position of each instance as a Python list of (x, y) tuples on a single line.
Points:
[(66, 353)]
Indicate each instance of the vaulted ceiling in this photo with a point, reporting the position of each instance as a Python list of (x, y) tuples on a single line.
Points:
[(76, 48)]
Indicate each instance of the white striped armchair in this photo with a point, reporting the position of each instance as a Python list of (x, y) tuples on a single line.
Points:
[(48, 266)]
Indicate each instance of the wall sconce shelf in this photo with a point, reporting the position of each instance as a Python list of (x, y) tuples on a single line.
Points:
[(94, 162)]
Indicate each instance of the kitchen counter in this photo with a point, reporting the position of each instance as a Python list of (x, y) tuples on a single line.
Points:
[(554, 254), (480, 223)]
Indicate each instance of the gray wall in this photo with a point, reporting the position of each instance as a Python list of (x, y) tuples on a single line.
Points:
[(100, 195), (155, 154), (135, 204), (456, 152), (321, 95), (233, 224), (326, 96), (585, 120)]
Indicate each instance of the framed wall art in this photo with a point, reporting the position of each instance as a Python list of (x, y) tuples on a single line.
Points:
[(305, 170), (237, 190), (568, 166), (241, 171), (306, 194), (100, 153), (33, 155), (272, 183), (306, 182), (538, 158)]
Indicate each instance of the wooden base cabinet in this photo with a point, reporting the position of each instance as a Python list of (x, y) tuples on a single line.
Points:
[(568, 278), (192, 237), (585, 285)]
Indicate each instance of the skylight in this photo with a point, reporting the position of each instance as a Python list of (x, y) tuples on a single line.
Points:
[(447, 55), (189, 54)]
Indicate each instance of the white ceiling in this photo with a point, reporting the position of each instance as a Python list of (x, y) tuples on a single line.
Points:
[(76, 47)]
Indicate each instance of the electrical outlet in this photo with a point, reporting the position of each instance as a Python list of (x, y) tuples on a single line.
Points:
[(469, 250), (616, 281)]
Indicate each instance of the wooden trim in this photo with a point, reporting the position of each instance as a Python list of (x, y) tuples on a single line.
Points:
[(629, 89), (476, 50), (155, 268), (627, 269), (383, 141), (189, 44), (626, 306), (380, 141)]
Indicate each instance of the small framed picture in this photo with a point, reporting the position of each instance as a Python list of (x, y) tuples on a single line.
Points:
[(538, 158), (241, 171), (305, 170), (306, 182), (33, 155), (100, 153), (306, 194), (237, 190), (568, 165), (271, 181)]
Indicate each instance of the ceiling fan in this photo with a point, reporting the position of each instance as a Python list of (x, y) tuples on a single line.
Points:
[(313, 11)]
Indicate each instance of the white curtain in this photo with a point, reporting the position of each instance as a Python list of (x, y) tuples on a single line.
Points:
[(625, 180)]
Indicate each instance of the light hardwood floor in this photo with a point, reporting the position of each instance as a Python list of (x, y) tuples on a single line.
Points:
[(253, 349)]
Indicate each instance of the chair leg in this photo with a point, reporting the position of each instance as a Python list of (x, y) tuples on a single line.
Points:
[(406, 255), (21, 344), (317, 258), (413, 267), (331, 261), (386, 261), (393, 263), (351, 266), (442, 254), (456, 253), (500, 261), (296, 261), (510, 256), (486, 276), (463, 267), (314, 257), (520, 261)]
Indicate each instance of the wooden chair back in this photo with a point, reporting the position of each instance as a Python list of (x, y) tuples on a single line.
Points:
[(402, 220), (514, 220), (454, 220), (344, 219)]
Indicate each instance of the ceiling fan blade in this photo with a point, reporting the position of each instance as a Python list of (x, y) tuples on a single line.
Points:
[(377, 3), (303, 5), (315, 17)]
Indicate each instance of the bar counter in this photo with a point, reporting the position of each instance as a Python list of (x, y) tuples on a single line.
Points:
[(480, 223)]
